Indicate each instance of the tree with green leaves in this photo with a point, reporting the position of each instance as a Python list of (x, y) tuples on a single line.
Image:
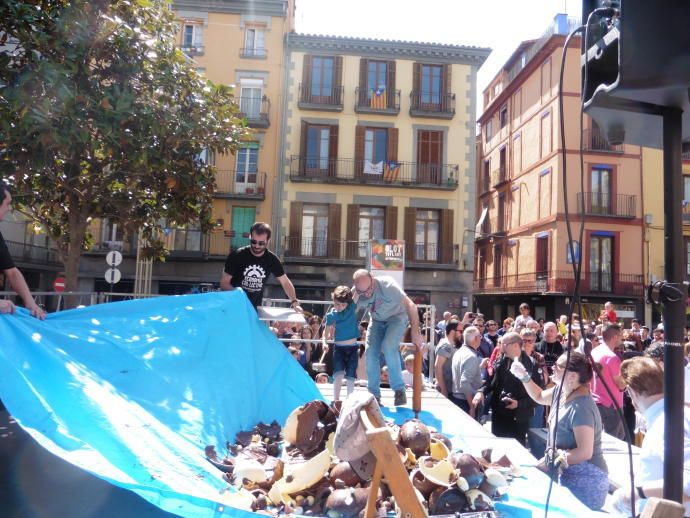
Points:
[(101, 116)]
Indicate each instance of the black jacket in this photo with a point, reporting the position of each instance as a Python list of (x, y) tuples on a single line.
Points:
[(503, 382)]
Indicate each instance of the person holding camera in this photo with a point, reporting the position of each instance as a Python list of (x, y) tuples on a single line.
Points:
[(511, 405)]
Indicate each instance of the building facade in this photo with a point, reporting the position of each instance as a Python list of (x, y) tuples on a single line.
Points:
[(378, 144), (521, 242)]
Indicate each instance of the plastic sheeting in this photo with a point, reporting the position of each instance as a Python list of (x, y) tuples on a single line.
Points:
[(133, 391)]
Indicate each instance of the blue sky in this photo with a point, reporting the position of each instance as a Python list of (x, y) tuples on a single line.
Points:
[(499, 24)]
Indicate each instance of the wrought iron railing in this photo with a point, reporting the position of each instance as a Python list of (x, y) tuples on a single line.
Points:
[(255, 109), (241, 184), (562, 281), (432, 104), (383, 173), (321, 97), (606, 204), (595, 140), (371, 101)]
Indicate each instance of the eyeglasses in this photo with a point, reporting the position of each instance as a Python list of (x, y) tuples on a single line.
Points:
[(528, 340), (259, 243)]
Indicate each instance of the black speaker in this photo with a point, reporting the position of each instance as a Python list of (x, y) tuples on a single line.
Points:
[(636, 64)]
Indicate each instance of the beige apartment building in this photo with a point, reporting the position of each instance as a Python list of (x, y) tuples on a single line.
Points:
[(522, 252), (378, 143)]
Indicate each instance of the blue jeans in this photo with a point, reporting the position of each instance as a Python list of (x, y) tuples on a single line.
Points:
[(385, 337)]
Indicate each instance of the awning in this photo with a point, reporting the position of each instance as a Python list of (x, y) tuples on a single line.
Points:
[(478, 228)]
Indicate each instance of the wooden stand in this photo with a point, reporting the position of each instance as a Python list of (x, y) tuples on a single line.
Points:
[(389, 465)]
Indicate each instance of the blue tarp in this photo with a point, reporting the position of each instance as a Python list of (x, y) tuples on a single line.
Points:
[(133, 391)]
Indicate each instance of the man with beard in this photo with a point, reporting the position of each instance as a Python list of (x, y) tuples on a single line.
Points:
[(443, 365), (250, 267)]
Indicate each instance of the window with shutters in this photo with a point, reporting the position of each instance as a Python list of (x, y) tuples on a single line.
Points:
[(430, 90), (371, 226), (429, 157), (321, 87), (318, 148), (314, 230), (427, 234), (601, 263), (431, 95), (377, 75), (322, 76), (375, 146)]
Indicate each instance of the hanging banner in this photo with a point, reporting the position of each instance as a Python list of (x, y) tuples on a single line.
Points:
[(387, 257)]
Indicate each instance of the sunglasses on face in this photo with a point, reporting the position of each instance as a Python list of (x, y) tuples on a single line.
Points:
[(259, 243)]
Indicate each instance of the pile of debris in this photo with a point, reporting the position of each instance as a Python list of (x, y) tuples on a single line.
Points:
[(295, 470)]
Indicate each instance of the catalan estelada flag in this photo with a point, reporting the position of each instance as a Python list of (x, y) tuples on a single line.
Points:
[(377, 98), (391, 170)]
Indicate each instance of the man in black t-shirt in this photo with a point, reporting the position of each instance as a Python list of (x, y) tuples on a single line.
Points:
[(12, 273), (550, 347), (249, 268)]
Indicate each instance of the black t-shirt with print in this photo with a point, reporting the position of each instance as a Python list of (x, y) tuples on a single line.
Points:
[(250, 272), (6, 261)]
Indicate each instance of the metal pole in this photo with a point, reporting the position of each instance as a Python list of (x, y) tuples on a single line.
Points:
[(673, 310)]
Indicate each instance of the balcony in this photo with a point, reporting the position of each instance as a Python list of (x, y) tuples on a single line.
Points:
[(607, 205), (240, 185), (315, 250), (685, 155), (253, 53), (383, 174), (28, 253), (595, 140), (191, 50), (386, 103), (255, 110), (323, 99), (562, 282), (439, 106)]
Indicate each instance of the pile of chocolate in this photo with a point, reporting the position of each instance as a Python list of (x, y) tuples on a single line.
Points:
[(294, 470)]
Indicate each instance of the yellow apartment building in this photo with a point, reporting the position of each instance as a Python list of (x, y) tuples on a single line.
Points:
[(232, 42), (653, 201), (378, 143), (521, 242)]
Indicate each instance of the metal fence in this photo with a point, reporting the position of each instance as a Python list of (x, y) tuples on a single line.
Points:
[(429, 309)]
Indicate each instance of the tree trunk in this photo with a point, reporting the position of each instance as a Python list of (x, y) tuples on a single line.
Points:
[(77, 231)]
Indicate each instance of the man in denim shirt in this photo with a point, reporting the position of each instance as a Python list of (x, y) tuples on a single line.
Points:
[(391, 310)]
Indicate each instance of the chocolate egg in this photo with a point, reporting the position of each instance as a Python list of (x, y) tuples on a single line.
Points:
[(478, 501), (421, 483), (443, 438), (468, 468), (343, 471), (416, 436), (451, 501), (346, 503)]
